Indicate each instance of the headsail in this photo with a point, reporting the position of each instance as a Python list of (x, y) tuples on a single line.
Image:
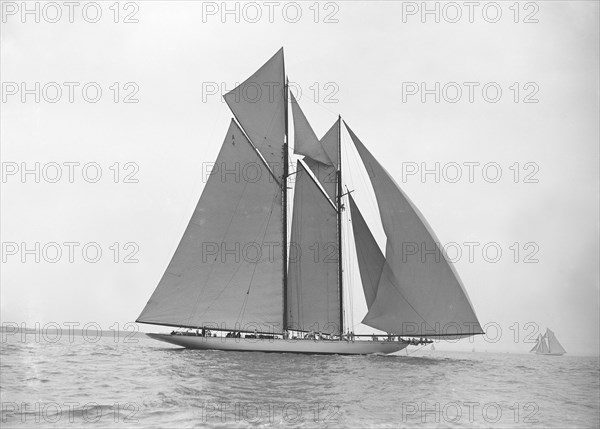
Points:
[(537, 344), (543, 346), (259, 106), (313, 301), (370, 258), (422, 277), (227, 268)]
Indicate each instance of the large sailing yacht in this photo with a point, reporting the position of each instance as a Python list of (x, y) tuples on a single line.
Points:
[(548, 344), (240, 270)]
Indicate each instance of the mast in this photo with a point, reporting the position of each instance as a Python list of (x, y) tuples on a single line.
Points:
[(339, 222), (284, 203)]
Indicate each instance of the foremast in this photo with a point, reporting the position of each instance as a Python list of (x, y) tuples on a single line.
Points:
[(284, 192), (339, 226)]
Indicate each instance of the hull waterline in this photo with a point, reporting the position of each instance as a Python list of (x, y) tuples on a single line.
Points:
[(282, 346)]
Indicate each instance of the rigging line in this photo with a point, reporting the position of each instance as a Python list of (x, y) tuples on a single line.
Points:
[(244, 305), (322, 106), (295, 235), (350, 270), (414, 351)]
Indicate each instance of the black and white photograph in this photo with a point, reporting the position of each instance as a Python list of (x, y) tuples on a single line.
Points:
[(313, 214)]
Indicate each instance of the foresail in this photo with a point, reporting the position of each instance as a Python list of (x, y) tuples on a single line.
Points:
[(422, 277), (537, 344), (313, 295), (259, 106), (543, 347), (227, 269)]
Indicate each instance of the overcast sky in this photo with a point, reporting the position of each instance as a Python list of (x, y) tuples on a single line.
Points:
[(363, 66)]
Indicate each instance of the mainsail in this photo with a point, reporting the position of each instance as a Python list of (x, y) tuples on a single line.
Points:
[(227, 268), (259, 105), (313, 298), (554, 347), (424, 296)]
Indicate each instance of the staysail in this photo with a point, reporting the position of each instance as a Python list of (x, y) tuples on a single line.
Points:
[(259, 106), (313, 299), (543, 347), (424, 296), (227, 269), (536, 347), (370, 258)]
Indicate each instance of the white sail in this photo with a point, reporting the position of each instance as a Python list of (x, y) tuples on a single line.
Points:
[(313, 295), (228, 267), (554, 347), (305, 140), (370, 258), (259, 106), (543, 349), (321, 156), (537, 344), (424, 282), (327, 173)]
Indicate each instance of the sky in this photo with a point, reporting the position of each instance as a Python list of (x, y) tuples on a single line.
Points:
[(527, 155)]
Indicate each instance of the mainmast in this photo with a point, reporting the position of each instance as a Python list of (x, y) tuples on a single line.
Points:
[(339, 224), (284, 203)]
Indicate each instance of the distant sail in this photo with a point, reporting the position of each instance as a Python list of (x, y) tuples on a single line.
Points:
[(259, 106), (423, 278), (553, 345), (537, 344), (369, 255), (543, 347), (313, 296), (320, 156), (228, 266)]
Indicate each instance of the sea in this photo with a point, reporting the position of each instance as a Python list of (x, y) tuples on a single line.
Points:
[(136, 382)]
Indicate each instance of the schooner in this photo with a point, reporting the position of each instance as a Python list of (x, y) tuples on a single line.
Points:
[(240, 269), (548, 344)]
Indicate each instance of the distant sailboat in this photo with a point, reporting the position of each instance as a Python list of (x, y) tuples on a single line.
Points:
[(432, 348), (548, 344), (234, 270)]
